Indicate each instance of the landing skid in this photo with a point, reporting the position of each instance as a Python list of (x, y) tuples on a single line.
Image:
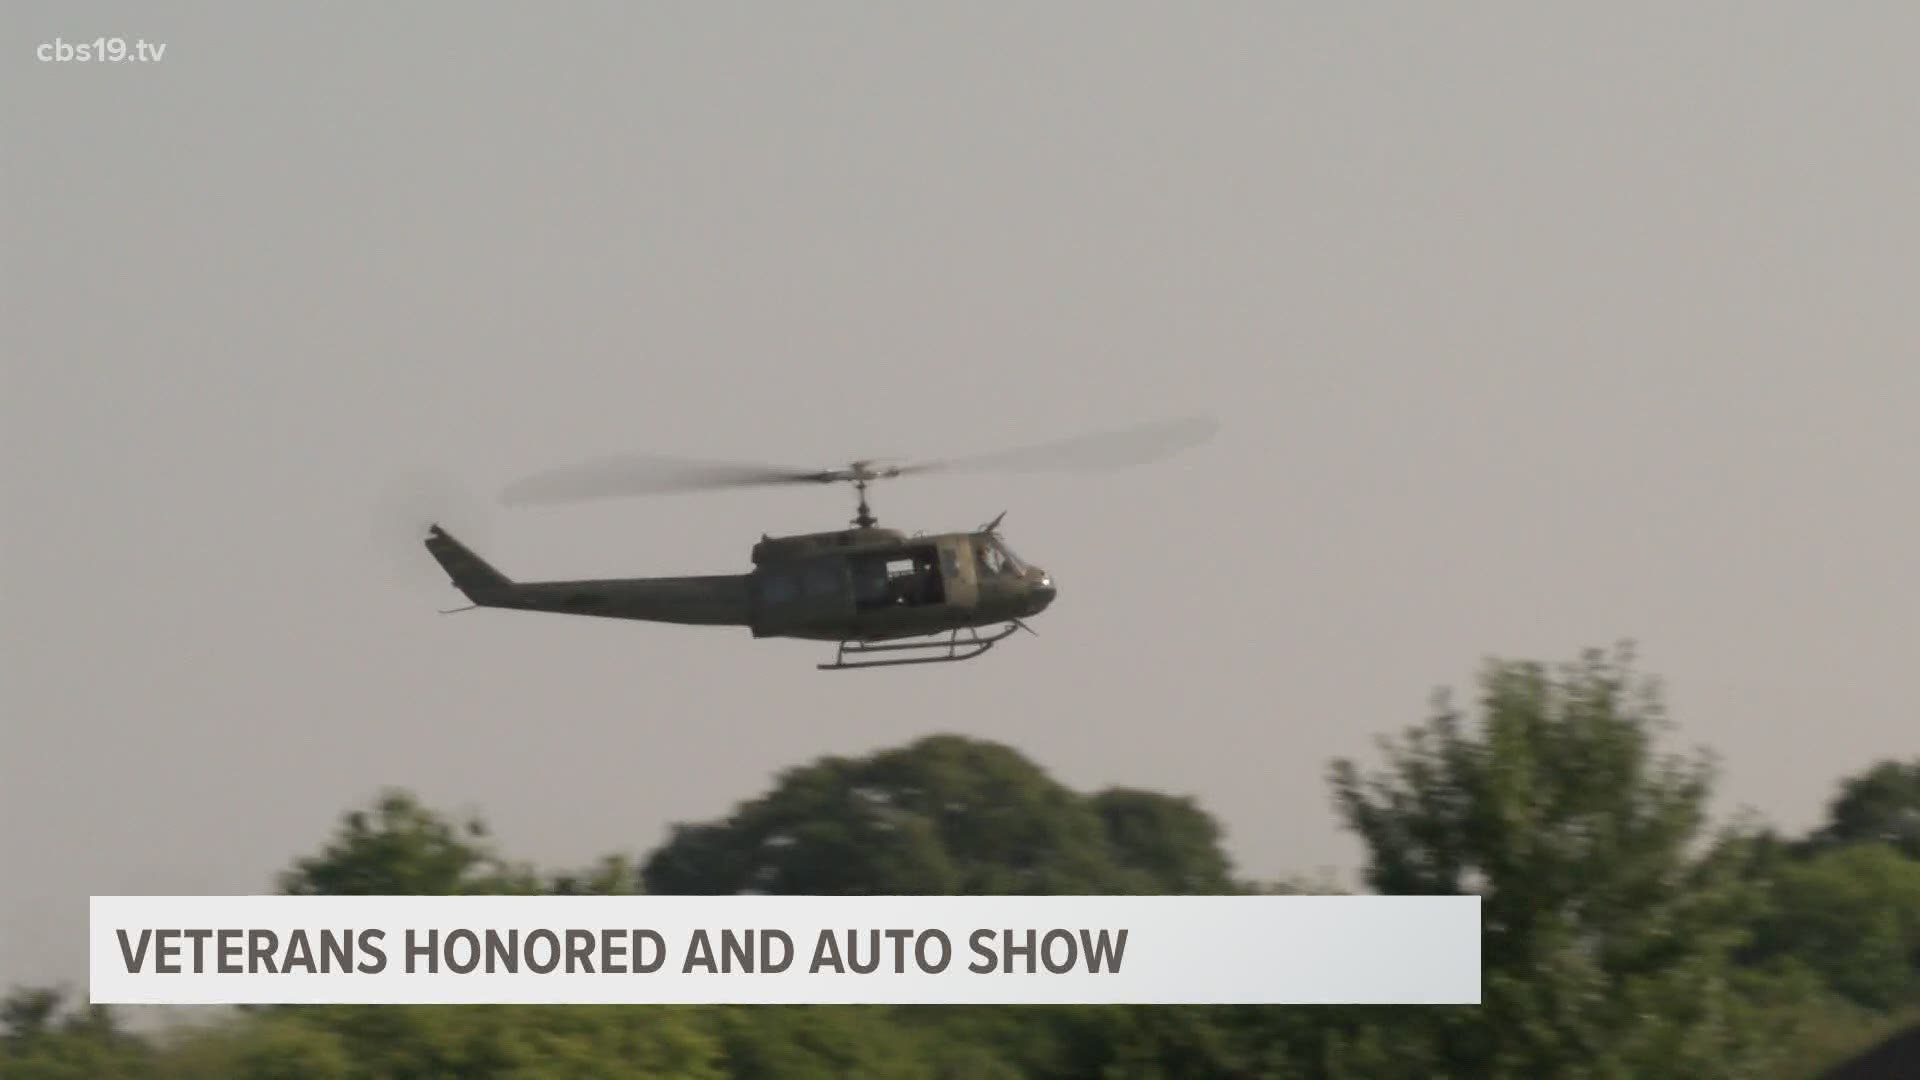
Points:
[(950, 650)]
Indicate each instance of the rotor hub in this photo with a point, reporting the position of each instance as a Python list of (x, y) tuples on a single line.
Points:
[(863, 516)]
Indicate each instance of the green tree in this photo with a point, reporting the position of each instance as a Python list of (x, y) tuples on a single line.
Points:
[(1608, 935), (1852, 916), (1612, 923), (1144, 1041), (1880, 805), (482, 1041), (806, 1042), (1172, 844), (950, 815), (614, 875), (945, 815), (261, 1046), (41, 1038), (402, 848), (28, 1013)]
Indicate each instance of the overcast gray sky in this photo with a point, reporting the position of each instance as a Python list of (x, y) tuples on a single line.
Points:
[(1530, 328)]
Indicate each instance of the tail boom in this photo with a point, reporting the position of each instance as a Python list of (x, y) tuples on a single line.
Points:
[(722, 600)]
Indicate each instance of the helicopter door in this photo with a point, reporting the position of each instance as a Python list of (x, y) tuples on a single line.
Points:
[(907, 578), (956, 574)]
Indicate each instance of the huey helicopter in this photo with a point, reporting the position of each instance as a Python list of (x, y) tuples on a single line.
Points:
[(885, 597)]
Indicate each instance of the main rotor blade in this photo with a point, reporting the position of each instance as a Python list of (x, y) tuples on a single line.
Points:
[(645, 475), (612, 477), (1099, 451)]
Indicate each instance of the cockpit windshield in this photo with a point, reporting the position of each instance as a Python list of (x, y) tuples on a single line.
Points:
[(996, 558)]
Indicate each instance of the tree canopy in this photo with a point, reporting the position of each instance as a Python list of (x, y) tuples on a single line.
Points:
[(1624, 935), (399, 847), (1586, 842), (944, 816), (1882, 803)]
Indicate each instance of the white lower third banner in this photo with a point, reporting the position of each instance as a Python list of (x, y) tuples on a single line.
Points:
[(1408, 950)]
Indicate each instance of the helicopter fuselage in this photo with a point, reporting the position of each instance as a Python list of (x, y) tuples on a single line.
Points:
[(863, 584), (873, 584)]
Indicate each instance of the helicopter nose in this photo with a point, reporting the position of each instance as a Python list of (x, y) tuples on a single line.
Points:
[(1043, 594)]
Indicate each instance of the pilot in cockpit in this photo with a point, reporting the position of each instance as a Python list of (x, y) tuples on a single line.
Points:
[(994, 559)]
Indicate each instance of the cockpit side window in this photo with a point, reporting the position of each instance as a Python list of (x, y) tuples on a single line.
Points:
[(1014, 564), (986, 561), (995, 559)]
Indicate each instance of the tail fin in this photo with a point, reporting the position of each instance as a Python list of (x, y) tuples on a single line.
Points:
[(471, 574)]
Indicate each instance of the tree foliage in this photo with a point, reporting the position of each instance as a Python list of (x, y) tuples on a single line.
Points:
[(400, 847), (43, 1038), (1622, 935), (1881, 804), (943, 816), (1609, 933), (1852, 916)]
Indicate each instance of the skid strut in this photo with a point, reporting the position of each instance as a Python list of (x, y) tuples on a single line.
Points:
[(950, 650)]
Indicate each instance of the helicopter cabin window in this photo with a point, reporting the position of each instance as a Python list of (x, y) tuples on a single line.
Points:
[(909, 578), (993, 558)]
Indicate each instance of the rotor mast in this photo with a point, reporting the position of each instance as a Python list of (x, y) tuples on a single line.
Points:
[(864, 519), (860, 474)]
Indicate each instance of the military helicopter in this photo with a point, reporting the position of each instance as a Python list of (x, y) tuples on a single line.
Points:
[(885, 597)]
